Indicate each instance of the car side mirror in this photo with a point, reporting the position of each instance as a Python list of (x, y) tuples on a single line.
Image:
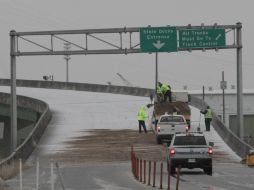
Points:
[(211, 144)]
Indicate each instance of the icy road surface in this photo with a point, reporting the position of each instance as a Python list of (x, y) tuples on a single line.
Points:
[(74, 112)]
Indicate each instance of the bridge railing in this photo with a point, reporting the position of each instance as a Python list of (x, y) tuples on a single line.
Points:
[(240, 147), (24, 150), (135, 91)]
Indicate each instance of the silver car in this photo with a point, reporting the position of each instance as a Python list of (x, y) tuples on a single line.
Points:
[(191, 150)]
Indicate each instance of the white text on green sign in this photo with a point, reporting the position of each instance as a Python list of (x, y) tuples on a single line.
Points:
[(158, 39), (202, 38)]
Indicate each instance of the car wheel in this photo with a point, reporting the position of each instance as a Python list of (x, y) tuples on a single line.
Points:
[(208, 170)]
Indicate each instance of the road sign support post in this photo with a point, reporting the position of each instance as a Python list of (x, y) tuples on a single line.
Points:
[(156, 76), (239, 80), (13, 92)]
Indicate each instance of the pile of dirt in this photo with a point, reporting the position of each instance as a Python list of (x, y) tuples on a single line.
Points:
[(109, 146), (182, 107), (115, 146)]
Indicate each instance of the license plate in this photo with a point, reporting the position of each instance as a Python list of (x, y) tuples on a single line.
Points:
[(191, 160)]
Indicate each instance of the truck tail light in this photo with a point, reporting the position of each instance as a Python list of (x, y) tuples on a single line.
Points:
[(158, 128), (210, 151), (172, 152)]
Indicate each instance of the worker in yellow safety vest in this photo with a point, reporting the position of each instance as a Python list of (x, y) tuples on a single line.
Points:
[(141, 119), (208, 117), (166, 90)]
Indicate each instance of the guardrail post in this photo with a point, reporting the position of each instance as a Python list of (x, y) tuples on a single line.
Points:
[(140, 176), (135, 166), (149, 173), (161, 175), (144, 171), (154, 173), (137, 169), (132, 164), (169, 172)]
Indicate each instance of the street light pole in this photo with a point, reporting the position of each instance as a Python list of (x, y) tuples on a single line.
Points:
[(67, 57), (13, 92), (223, 97)]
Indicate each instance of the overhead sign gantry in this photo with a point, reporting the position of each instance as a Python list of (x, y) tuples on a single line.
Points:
[(137, 40)]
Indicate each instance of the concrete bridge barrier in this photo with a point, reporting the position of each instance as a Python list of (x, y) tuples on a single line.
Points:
[(240, 147), (135, 91), (25, 149)]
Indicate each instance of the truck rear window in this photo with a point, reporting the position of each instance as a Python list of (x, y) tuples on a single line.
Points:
[(166, 119), (189, 140)]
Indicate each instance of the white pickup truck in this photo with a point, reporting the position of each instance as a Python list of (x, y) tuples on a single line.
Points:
[(168, 125)]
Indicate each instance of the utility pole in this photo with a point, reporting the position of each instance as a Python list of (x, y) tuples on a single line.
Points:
[(67, 57)]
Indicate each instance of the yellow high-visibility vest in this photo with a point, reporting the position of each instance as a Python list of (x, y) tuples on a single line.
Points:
[(209, 114)]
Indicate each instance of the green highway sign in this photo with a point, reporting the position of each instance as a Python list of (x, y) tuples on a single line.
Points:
[(158, 39), (202, 38)]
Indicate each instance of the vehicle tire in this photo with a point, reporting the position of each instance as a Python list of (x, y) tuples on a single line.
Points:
[(158, 140), (208, 170)]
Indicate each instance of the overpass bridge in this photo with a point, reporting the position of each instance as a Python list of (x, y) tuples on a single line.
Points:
[(76, 113)]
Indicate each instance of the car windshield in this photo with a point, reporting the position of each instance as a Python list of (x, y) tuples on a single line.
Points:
[(189, 140), (171, 118)]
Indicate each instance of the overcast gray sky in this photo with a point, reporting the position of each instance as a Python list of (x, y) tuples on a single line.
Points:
[(193, 69)]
